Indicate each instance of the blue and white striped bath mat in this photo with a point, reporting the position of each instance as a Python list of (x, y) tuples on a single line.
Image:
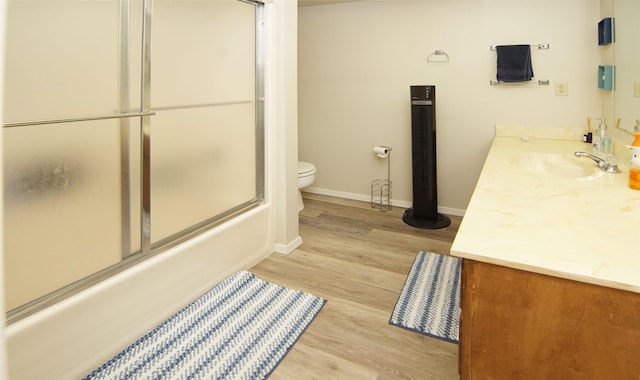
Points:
[(430, 299), (240, 329)]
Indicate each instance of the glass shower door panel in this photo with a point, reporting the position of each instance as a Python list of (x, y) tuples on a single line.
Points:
[(204, 165), (61, 59), (61, 204), (203, 138), (203, 53), (62, 182)]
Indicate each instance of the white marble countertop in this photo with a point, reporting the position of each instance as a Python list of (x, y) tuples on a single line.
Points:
[(584, 228)]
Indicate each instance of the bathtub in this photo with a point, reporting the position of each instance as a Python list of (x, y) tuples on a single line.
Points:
[(71, 338)]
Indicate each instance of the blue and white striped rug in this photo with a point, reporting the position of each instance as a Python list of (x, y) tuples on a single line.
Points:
[(240, 329), (430, 299)]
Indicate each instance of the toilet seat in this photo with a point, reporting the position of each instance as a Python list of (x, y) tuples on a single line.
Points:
[(305, 169), (306, 177)]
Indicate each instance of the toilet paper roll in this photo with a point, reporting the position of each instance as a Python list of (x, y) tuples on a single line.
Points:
[(381, 151)]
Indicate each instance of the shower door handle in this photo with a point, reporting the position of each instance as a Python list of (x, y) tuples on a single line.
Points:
[(78, 119)]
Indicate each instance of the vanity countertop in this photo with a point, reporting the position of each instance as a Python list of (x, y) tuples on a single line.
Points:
[(583, 228)]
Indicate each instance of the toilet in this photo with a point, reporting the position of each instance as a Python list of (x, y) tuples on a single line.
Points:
[(306, 176)]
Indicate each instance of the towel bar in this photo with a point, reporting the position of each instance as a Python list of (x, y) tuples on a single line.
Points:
[(539, 46), (541, 82), (438, 56)]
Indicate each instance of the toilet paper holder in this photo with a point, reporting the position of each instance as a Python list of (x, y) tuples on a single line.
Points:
[(381, 151), (381, 188)]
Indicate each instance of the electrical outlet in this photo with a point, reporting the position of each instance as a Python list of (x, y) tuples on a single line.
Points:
[(636, 89), (562, 89)]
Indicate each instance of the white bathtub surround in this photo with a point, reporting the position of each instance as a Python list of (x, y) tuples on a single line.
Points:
[(583, 229)]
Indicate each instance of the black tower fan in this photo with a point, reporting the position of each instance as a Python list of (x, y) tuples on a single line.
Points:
[(424, 213)]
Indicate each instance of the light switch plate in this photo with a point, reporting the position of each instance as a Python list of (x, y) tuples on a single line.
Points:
[(636, 89)]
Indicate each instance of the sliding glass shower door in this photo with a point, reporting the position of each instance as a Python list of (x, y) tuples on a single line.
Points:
[(203, 88), (130, 126), (62, 180)]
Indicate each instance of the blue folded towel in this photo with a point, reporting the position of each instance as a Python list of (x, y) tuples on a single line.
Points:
[(514, 63)]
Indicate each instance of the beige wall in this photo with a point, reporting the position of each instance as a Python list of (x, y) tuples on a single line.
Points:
[(607, 57), (357, 61), (283, 114)]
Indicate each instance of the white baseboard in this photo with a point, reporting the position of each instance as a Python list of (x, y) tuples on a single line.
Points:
[(286, 249), (367, 198), (451, 211), (338, 194)]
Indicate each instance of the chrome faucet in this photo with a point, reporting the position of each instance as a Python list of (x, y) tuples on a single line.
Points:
[(602, 164)]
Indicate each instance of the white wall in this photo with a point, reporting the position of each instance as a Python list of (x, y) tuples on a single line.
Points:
[(286, 118), (607, 57), (357, 61)]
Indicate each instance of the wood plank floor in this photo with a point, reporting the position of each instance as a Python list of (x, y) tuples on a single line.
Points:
[(358, 258)]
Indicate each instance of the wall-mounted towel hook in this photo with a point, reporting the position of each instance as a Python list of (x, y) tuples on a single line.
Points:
[(438, 55)]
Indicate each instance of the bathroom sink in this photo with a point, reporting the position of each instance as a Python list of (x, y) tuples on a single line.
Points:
[(559, 165)]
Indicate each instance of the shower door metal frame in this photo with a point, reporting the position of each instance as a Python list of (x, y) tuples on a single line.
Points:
[(125, 125), (145, 129), (147, 249)]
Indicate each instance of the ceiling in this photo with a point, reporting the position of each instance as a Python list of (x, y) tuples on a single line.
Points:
[(308, 3)]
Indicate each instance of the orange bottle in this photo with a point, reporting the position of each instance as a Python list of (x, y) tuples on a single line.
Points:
[(634, 163)]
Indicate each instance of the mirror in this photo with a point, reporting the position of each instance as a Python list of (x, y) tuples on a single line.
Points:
[(627, 61)]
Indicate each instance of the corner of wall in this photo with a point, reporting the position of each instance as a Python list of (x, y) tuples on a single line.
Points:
[(284, 63)]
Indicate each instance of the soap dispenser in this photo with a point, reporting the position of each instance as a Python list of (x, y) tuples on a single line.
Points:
[(595, 140), (601, 141), (605, 139), (634, 163)]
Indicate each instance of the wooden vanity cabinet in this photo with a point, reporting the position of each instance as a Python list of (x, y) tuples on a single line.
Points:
[(522, 325)]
